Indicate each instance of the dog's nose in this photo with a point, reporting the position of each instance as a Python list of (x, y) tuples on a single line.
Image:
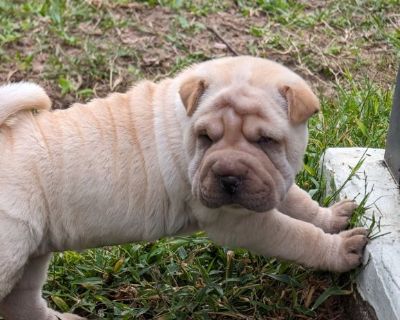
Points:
[(230, 183)]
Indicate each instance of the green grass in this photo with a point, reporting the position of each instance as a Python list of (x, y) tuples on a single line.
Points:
[(348, 50)]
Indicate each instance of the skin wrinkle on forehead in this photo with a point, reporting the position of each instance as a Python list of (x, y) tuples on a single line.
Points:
[(236, 130), (264, 102), (243, 99), (209, 124), (253, 126)]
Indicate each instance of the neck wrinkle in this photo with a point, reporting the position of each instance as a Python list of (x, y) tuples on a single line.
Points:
[(171, 158)]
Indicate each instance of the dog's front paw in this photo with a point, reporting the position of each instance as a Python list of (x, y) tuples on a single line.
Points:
[(350, 249), (340, 215)]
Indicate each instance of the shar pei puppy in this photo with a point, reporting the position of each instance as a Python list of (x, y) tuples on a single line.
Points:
[(216, 148)]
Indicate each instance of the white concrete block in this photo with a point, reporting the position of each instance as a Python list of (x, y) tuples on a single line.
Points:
[(379, 282)]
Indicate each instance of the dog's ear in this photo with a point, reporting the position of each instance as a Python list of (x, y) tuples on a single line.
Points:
[(302, 102), (191, 91)]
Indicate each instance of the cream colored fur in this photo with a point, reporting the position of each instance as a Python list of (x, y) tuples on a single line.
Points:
[(22, 96), (129, 167)]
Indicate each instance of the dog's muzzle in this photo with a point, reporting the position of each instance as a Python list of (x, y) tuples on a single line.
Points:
[(235, 178)]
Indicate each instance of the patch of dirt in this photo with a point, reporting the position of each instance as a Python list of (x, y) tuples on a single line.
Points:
[(159, 41)]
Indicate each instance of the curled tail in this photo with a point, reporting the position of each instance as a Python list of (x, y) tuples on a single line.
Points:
[(20, 96)]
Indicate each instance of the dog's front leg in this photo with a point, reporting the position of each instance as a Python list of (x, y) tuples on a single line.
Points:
[(275, 234), (298, 204)]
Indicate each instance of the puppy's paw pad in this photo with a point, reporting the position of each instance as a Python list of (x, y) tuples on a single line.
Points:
[(344, 208), (354, 232), (352, 248), (340, 215)]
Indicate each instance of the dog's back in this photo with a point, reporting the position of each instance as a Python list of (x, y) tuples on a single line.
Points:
[(20, 96)]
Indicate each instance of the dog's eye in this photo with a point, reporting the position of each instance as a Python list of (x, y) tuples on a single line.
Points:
[(205, 139), (265, 141)]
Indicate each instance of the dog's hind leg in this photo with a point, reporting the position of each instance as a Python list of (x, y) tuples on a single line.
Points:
[(16, 245), (25, 301), (15, 249), (22, 276)]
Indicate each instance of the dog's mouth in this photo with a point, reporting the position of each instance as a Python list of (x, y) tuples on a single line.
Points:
[(256, 205), (260, 201)]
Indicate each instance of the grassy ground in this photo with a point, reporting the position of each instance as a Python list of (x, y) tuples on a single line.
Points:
[(349, 52)]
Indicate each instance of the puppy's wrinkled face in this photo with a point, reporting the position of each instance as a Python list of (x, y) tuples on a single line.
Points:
[(244, 148)]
